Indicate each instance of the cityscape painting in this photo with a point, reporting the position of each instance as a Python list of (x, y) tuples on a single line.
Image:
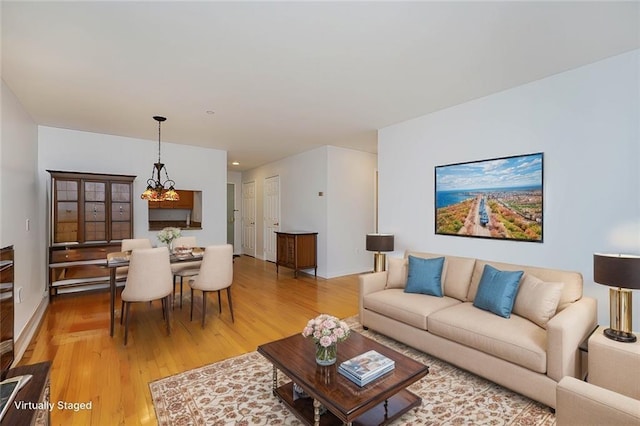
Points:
[(501, 198)]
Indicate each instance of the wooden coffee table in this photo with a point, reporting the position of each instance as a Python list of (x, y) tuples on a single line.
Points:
[(379, 402)]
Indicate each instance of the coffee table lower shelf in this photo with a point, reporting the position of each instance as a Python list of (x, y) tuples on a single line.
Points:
[(396, 406)]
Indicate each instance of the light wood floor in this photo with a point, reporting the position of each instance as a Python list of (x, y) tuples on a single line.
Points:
[(89, 365)]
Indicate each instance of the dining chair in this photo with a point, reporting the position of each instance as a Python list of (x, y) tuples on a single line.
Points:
[(135, 243), (149, 279), (121, 271), (128, 245), (184, 270), (216, 274)]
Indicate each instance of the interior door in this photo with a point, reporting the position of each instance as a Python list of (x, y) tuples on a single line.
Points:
[(231, 213), (249, 218), (271, 216)]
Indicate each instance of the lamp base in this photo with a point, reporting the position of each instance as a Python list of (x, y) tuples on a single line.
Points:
[(620, 336), (620, 304), (379, 262)]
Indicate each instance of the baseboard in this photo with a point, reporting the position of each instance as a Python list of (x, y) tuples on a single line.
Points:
[(22, 342)]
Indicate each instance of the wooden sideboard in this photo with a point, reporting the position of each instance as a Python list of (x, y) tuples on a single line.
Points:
[(6, 309), (297, 250)]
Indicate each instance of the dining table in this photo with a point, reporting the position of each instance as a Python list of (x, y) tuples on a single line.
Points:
[(121, 261)]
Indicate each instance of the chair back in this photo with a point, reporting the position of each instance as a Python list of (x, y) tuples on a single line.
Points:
[(135, 243), (216, 271), (149, 276), (185, 242)]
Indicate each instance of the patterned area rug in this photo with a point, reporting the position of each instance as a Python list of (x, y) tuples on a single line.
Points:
[(237, 391)]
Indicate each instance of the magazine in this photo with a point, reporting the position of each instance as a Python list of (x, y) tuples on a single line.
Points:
[(362, 382), (368, 365)]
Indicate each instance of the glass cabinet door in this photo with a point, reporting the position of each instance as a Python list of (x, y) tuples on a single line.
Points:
[(121, 211), (66, 211), (95, 218), (91, 207)]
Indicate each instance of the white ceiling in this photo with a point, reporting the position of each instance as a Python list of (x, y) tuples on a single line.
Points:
[(283, 78)]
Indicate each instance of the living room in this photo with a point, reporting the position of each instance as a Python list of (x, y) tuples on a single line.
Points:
[(584, 120)]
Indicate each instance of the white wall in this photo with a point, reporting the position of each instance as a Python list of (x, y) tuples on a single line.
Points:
[(302, 178), (20, 202), (586, 121), (350, 210), (192, 168)]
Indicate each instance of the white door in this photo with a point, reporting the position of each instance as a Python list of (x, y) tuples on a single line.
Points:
[(271, 216), (249, 218)]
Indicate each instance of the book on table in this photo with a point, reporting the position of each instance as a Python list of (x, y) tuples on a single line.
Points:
[(366, 367)]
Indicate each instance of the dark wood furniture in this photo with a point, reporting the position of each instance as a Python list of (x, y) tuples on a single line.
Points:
[(297, 250), (91, 214), (379, 402), (35, 394), (6, 309)]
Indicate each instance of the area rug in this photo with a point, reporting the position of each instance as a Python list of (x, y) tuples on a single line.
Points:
[(237, 391)]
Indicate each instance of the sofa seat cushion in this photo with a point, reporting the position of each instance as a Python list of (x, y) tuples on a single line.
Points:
[(409, 308), (514, 339)]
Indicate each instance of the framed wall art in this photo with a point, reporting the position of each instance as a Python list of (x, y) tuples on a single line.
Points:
[(500, 198)]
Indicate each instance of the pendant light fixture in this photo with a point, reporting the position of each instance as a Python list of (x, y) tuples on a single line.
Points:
[(156, 189)]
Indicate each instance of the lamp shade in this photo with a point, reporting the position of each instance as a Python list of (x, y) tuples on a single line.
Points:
[(617, 270), (379, 242)]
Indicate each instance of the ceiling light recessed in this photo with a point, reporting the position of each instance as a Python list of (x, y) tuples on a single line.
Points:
[(235, 163)]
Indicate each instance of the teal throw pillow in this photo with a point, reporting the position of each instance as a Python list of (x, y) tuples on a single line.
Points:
[(425, 276), (497, 290)]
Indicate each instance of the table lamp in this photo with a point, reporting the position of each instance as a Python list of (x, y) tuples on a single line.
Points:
[(379, 243), (621, 271)]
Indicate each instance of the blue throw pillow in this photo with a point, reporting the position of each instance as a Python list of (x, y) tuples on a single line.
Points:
[(497, 290), (425, 276)]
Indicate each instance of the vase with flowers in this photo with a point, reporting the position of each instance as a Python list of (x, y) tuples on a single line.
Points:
[(168, 235), (326, 331)]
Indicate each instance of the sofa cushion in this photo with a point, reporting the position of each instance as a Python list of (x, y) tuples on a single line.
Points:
[(425, 276), (571, 291), (497, 291), (537, 300), (459, 271), (397, 272), (409, 308), (456, 274), (515, 339)]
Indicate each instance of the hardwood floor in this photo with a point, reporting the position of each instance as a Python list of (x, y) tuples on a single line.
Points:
[(90, 366)]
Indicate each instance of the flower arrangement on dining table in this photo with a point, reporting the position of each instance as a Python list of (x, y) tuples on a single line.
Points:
[(167, 235), (326, 331)]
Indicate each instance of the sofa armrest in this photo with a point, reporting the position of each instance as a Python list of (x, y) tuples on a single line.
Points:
[(581, 403), (370, 283), (565, 331)]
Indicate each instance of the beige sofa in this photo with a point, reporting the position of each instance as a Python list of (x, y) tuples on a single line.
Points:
[(583, 404), (517, 353), (612, 395)]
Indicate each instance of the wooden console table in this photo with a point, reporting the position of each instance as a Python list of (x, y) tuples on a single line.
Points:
[(35, 392), (297, 250)]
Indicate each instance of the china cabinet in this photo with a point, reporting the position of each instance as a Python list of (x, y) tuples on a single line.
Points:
[(91, 214)]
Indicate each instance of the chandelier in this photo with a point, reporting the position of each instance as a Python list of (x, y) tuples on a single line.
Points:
[(156, 189)]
